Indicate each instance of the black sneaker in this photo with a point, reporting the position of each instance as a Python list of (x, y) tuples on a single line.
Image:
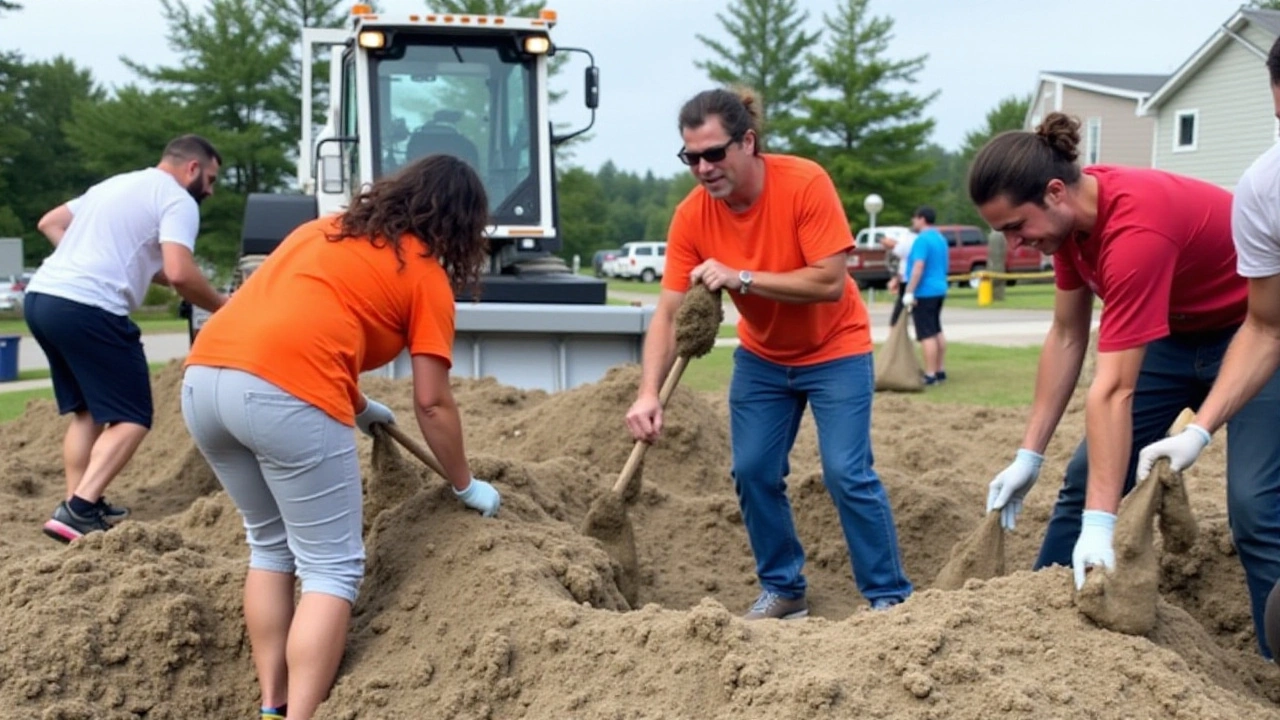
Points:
[(66, 526), (942, 376), (112, 513)]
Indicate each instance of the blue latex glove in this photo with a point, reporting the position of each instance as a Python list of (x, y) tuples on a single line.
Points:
[(1006, 492), (373, 414), (1093, 548), (481, 496)]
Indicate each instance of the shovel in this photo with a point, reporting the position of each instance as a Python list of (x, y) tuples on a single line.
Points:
[(414, 448), (697, 324)]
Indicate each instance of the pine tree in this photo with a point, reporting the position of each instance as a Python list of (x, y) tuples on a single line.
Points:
[(766, 54), (863, 125)]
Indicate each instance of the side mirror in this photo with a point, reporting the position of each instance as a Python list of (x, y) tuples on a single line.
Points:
[(591, 86), (331, 174)]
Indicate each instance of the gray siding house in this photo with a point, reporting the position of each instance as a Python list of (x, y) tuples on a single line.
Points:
[(1108, 105), (1215, 114)]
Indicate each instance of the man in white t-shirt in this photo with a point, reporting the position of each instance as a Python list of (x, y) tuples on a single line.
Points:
[(1250, 363), (899, 247), (109, 244)]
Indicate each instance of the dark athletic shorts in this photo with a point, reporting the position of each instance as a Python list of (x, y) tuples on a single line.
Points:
[(927, 316), (95, 358)]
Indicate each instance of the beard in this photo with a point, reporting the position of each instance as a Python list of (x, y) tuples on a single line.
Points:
[(196, 188)]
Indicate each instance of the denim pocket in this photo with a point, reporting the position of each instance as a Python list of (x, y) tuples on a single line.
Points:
[(287, 432)]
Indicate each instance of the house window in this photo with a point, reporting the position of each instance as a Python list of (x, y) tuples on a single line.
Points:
[(1186, 130), (1093, 140)]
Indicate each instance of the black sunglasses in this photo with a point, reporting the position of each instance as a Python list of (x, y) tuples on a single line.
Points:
[(711, 154)]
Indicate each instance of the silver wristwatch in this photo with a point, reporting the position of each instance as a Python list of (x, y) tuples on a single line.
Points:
[(744, 278)]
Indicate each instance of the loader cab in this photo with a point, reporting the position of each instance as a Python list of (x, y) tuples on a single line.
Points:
[(471, 86), (471, 97)]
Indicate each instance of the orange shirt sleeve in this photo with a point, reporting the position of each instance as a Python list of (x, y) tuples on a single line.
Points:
[(682, 252), (823, 229), (432, 316)]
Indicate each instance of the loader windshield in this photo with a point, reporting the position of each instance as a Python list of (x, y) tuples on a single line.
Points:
[(469, 97)]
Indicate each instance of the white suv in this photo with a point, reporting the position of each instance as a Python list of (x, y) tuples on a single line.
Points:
[(643, 260)]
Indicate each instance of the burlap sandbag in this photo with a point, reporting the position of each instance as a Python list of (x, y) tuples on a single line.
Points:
[(897, 367)]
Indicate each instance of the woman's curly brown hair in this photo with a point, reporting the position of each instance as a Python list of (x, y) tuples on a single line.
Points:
[(439, 200)]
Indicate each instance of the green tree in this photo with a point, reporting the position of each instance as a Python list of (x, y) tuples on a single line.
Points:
[(232, 84), (6, 5), (766, 54), (286, 19), (864, 126), (1265, 4)]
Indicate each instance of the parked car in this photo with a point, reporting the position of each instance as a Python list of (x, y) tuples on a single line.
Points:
[(602, 261), (869, 238), (968, 254), (12, 290), (645, 261)]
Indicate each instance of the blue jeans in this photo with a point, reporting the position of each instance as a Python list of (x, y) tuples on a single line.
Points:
[(766, 402), (1177, 372)]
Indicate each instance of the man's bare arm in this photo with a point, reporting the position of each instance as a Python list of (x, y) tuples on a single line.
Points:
[(823, 281), (1060, 361), (184, 276), (1252, 358), (54, 224)]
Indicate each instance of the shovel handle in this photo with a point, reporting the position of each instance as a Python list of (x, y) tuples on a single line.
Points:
[(414, 448), (1185, 418), (638, 450)]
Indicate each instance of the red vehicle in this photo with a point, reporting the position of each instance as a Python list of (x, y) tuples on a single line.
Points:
[(968, 253), (967, 245)]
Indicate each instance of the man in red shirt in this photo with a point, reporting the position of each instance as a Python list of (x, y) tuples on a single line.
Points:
[(778, 248), (1157, 249)]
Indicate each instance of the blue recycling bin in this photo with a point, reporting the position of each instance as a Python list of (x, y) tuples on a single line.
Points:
[(9, 357)]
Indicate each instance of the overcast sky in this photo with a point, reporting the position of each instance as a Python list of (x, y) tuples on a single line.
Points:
[(646, 50)]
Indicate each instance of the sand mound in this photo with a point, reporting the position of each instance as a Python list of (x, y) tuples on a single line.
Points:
[(520, 616)]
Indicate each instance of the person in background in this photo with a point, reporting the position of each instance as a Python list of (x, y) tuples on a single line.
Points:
[(121, 235), (771, 231), (1157, 249), (1248, 370), (271, 395), (926, 279), (899, 248)]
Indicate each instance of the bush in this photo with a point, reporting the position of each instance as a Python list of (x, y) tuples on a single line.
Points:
[(160, 296)]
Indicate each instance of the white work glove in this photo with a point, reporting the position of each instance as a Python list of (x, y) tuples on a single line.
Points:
[(1093, 548), (909, 300), (374, 413), (481, 496), (1006, 492), (1181, 449)]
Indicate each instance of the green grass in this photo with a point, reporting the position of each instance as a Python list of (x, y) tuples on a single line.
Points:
[(13, 404), (159, 320), (977, 375)]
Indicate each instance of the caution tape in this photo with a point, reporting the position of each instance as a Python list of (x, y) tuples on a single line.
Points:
[(992, 275)]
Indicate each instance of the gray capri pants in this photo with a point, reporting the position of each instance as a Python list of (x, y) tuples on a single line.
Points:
[(292, 471)]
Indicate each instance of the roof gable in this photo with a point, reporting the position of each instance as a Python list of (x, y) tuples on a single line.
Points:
[(1267, 20)]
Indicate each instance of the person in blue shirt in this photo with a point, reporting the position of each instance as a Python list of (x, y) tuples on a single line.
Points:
[(926, 289)]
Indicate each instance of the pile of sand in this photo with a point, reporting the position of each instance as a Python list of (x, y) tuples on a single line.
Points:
[(520, 616)]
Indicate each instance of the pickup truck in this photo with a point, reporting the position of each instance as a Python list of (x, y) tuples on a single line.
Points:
[(968, 253)]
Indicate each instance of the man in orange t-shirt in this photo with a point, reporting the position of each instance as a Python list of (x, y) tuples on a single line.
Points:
[(771, 230), (271, 394)]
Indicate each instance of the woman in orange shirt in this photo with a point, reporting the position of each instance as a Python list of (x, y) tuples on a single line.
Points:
[(271, 394)]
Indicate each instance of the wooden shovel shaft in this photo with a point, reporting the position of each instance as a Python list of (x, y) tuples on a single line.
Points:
[(1185, 418), (414, 448), (638, 450)]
